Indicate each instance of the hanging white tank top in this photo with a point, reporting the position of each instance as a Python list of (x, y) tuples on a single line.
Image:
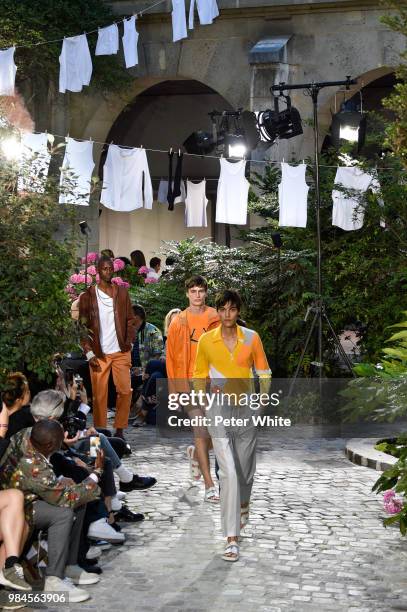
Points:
[(8, 71), (108, 40), (130, 40), (292, 196), (123, 175), (34, 162), (76, 172), (233, 191), (348, 213), (195, 205)]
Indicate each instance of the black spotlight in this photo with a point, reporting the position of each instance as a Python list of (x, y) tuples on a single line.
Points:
[(84, 227), (200, 143), (349, 124), (273, 124)]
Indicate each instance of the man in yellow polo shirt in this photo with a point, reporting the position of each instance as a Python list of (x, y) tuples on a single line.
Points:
[(228, 355)]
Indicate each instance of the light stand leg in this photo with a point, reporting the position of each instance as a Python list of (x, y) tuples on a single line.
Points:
[(304, 350), (86, 260), (339, 345)]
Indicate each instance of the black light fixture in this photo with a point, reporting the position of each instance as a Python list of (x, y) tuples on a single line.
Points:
[(283, 124), (200, 143), (234, 133), (84, 227), (349, 124)]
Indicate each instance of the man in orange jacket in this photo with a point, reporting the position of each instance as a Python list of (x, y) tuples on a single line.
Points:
[(182, 342)]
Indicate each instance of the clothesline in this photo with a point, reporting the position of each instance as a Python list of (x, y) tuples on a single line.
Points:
[(165, 151), (50, 42)]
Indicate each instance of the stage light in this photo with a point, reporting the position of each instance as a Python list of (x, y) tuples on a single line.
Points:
[(11, 148), (236, 145), (349, 124), (200, 143), (84, 227), (284, 124)]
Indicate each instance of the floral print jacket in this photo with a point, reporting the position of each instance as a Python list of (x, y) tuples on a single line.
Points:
[(23, 467)]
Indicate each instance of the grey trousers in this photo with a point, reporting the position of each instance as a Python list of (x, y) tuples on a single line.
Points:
[(235, 451), (64, 526)]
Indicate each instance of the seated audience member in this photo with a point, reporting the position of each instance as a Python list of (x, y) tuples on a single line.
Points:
[(169, 262), (155, 266), (13, 528), (154, 369), (125, 260), (51, 503), (107, 253), (137, 259), (147, 345)]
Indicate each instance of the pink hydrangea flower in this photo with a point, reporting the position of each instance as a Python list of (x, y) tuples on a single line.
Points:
[(143, 270), (82, 278), (75, 278), (394, 506), (92, 270), (118, 264), (97, 278), (150, 280), (93, 257), (125, 284), (116, 280)]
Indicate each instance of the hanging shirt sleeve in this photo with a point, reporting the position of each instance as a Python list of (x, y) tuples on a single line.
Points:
[(148, 187)]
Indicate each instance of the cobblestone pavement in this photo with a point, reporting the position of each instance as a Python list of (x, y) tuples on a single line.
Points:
[(315, 540)]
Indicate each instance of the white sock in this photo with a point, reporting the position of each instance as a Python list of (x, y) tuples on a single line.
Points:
[(124, 474)]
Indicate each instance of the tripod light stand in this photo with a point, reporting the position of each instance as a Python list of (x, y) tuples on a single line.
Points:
[(85, 230), (318, 307)]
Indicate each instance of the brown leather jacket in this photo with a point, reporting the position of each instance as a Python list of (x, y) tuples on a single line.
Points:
[(123, 318)]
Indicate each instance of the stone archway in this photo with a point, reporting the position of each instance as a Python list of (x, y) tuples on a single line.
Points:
[(159, 117)]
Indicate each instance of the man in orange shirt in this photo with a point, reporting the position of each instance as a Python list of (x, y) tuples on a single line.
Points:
[(182, 342)]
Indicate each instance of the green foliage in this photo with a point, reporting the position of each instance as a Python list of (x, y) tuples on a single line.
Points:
[(397, 102), (380, 394), (31, 22), (34, 267)]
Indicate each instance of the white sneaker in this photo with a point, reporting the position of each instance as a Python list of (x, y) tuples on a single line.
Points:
[(94, 552), (120, 495), (101, 530), (116, 504), (79, 576), (110, 413), (55, 584), (103, 545)]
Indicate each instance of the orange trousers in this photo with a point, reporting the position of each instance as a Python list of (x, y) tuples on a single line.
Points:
[(119, 364)]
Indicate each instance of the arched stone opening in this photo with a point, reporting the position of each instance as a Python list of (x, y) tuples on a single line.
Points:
[(160, 117)]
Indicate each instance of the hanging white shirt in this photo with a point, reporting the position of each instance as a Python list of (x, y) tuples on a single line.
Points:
[(34, 162), (75, 64), (179, 20), (163, 193), (292, 196), (348, 211), (233, 191), (207, 12), (108, 40), (130, 40), (108, 336), (195, 205), (8, 71), (76, 172), (123, 174)]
